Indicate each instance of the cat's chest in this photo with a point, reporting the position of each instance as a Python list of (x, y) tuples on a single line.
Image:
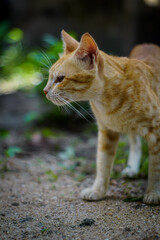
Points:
[(113, 120)]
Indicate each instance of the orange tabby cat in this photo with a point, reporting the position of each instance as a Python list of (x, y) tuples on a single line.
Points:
[(124, 95)]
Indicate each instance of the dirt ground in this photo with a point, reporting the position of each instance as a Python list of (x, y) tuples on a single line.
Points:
[(39, 194)]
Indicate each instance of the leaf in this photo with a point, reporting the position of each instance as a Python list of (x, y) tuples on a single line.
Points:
[(4, 26), (133, 199), (121, 153), (73, 34), (15, 35), (46, 132), (12, 151), (121, 144), (4, 133), (52, 176), (80, 177), (70, 168), (144, 168), (49, 39), (3, 165), (93, 165), (69, 153), (44, 230), (120, 161), (144, 158), (29, 117)]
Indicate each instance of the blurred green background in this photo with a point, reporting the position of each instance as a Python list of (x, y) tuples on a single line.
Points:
[(30, 42)]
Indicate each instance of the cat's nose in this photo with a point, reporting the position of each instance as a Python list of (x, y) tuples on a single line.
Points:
[(45, 91)]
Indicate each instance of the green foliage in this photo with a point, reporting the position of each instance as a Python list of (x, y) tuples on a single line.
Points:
[(122, 156), (144, 159), (44, 230), (12, 151), (31, 116), (4, 134), (68, 153), (122, 153), (92, 128), (70, 168), (15, 35), (8, 153), (47, 132), (115, 174), (3, 165), (21, 67), (144, 167), (80, 177), (51, 176), (133, 199)]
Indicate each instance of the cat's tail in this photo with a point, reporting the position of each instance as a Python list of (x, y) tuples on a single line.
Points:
[(145, 51)]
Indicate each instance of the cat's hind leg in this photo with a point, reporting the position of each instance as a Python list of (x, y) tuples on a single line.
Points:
[(134, 158), (107, 143), (152, 195)]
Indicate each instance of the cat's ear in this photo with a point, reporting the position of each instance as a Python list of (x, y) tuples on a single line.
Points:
[(70, 44), (87, 50)]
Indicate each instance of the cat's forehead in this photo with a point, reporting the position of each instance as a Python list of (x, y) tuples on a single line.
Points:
[(57, 64), (65, 64)]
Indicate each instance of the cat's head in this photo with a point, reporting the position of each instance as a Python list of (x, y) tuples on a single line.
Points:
[(74, 77)]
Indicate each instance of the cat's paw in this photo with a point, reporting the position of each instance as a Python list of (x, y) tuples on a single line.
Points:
[(128, 172), (92, 195), (152, 198)]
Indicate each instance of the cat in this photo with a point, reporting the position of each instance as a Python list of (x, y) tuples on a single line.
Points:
[(124, 96)]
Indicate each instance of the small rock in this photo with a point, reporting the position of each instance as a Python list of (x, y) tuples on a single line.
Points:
[(127, 229), (3, 214), (26, 219), (87, 222), (15, 204)]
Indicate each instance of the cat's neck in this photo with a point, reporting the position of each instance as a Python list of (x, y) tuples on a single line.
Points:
[(112, 80), (114, 67), (111, 73)]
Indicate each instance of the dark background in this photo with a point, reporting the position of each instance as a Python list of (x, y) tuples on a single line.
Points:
[(116, 25)]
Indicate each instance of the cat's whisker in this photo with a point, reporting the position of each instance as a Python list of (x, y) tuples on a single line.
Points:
[(74, 109), (44, 69), (46, 65), (45, 77), (46, 57), (70, 106), (83, 109), (65, 108)]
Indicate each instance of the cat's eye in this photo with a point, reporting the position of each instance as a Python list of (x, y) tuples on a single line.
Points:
[(59, 79)]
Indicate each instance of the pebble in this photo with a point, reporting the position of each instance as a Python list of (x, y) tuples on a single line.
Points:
[(87, 222)]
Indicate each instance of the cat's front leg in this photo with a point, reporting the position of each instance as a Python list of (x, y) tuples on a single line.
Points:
[(107, 143)]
